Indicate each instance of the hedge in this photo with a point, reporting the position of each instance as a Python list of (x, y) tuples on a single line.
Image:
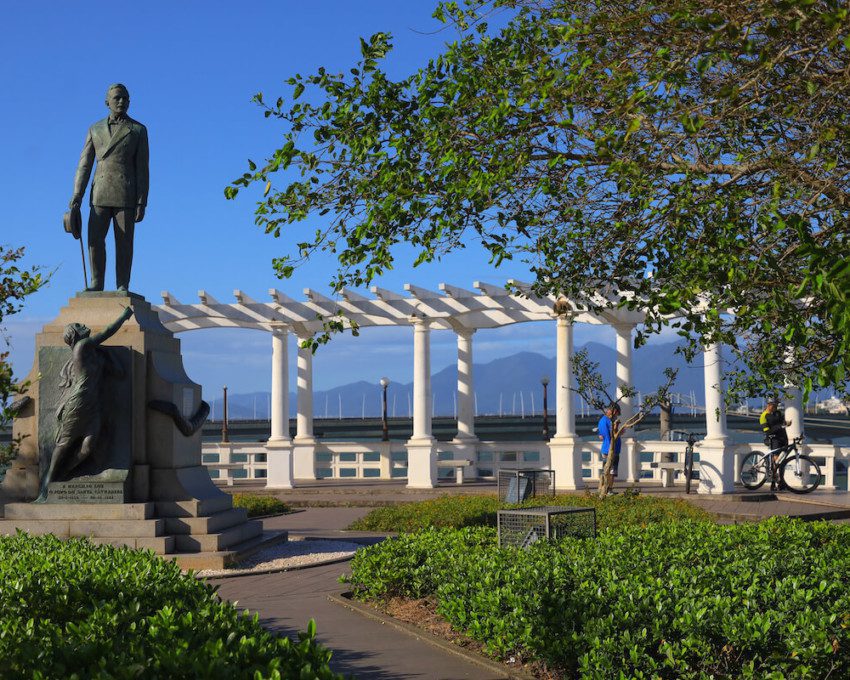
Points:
[(70, 609), (674, 600), (258, 506), (463, 511)]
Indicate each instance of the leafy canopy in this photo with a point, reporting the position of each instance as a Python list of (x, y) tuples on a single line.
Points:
[(15, 285), (693, 156)]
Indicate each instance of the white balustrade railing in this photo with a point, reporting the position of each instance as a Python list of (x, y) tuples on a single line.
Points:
[(388, 460), (357, 460), (490, 457), (228, 462)]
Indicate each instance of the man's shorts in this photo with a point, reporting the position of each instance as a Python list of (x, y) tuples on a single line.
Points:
[(615, 465)]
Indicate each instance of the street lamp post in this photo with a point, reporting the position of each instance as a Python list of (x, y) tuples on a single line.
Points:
[(545, 382), (384, 426), (224, 435)]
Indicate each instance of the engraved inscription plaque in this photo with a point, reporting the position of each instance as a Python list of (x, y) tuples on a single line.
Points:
[(86, 492)]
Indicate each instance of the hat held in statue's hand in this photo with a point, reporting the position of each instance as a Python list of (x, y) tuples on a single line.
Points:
[(73, 221)]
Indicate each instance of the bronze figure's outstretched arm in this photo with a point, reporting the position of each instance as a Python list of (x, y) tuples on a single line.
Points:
[(112, 329)]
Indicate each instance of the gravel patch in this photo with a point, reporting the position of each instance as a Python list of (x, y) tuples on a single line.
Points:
[(293, 554)]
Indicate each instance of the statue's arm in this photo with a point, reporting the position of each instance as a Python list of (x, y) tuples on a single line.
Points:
[(84, 168), (142, 168), (142, 174), (112, 329)]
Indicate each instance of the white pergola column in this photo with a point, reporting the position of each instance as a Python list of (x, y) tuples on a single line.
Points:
[(565, 415), (465, 386), (421, 454), (793, 408), (304, 444), (279, 446), (280, 385), (717, 462), (629, 460), (421, 380), (564, 447), (465, 443)]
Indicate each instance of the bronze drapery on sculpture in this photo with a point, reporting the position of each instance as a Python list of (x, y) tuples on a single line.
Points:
[(80, 415), (119, 192)]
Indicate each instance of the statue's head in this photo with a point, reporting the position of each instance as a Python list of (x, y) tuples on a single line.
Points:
[(118, 99), (74, 332)]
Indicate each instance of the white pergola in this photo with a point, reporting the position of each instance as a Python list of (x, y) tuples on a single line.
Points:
[(452, 309)]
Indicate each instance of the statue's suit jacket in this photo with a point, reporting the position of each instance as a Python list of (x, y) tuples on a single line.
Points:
[(121, 175)]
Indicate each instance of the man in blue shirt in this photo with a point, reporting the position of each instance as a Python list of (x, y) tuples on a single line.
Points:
[(606, 434)]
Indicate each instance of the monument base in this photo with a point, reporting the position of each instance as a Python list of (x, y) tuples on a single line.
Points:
[(144, 486), (126, 524), (195, 539)]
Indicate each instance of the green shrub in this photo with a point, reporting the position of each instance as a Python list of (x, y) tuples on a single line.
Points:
[(257, 506), (464, 511), (670, 600), (69, 609)]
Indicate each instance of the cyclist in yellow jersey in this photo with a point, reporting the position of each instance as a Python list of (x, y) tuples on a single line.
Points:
[(773, 423)]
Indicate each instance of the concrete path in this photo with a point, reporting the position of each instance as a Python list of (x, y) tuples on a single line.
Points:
[(361, 646)]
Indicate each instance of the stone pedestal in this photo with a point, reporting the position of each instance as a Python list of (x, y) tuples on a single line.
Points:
[(716, 467), (304, 458), (565, 460), (421, 463), (143, 464), (279, 462)]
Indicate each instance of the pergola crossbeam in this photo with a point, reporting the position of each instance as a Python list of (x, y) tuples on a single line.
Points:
[(449, 307)]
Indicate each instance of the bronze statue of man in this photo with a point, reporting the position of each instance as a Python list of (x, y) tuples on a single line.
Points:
[(80, 416), (119, 191)]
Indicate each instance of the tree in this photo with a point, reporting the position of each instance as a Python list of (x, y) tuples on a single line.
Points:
[(15, 285), (688, 158), (594, 390)]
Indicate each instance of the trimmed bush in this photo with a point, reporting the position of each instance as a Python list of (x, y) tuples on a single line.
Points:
[(257, 505), (673, 600), (69, 609), (464, 511)]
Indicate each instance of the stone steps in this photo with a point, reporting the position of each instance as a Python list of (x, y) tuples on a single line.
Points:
[(138, 525), (194, 508), (84, 528), (160, 545), (220, 559), (218, 541), (206, 525), (96, 511)]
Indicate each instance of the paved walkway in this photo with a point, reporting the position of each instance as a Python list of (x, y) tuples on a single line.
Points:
[(361, 646)]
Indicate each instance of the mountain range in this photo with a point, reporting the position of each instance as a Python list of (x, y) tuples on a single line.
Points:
[(509, 385)]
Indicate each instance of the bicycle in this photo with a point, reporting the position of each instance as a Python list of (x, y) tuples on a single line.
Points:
[(796, 471), (689, 457)]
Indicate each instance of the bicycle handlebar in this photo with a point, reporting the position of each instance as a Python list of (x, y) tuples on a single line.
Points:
[(691, 436)]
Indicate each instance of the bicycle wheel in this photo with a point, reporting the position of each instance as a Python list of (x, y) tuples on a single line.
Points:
[(754, 470), (800, 474)]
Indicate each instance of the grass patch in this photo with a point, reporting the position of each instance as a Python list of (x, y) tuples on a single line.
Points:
[(668, 600), (456, 512), (257, 505), (70, 609)]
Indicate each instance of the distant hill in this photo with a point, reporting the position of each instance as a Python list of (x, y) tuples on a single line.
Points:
[(510, 385)]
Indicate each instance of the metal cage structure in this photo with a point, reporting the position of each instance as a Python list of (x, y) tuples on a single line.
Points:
[(516, 485), (524, 526)]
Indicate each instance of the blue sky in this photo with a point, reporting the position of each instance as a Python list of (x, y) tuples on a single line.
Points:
[(192, 68)]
